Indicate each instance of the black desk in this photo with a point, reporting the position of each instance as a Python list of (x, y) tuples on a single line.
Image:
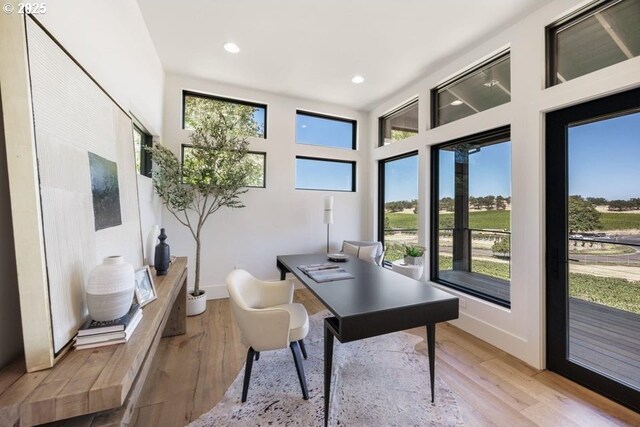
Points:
[(376, 302)]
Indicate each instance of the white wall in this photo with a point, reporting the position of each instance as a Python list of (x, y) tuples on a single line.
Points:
[(111, 41), (277, 219), (520, 330)]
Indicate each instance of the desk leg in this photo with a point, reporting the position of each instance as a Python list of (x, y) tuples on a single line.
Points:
[(283, 270), (328, 365), (431, 348)]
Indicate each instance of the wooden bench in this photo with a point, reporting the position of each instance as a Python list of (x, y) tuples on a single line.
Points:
[(101, 385)]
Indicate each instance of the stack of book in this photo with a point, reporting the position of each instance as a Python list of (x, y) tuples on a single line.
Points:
[(325, 272), (98, 334)]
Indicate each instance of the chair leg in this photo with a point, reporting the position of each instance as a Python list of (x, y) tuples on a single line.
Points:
[(303, 349), (295, 349), (247, 373), (257, 356)]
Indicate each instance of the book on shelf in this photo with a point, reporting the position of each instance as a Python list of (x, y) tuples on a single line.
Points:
[(93, 327), (109, 337), (99, 344)]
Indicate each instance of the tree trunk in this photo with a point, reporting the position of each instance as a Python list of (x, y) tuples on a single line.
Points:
[(196, 288)]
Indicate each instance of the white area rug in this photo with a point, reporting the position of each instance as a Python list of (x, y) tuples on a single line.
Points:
[(380, 381)]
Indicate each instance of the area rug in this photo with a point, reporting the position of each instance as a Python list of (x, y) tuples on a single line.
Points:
[(380, 381)]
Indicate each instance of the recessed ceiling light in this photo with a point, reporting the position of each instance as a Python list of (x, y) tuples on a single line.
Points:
[(357, 79), (457, 102), (231, 47)]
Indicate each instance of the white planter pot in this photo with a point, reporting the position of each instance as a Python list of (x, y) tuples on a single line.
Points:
[(196, 305), (110, 289), (413, 260)]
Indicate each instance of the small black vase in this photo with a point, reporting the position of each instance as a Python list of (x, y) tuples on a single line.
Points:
[(163, 254)]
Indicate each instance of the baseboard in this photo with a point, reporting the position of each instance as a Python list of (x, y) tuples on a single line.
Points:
[(215, 291)]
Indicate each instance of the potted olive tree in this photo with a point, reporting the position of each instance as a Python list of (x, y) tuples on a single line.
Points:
[(213, 175)]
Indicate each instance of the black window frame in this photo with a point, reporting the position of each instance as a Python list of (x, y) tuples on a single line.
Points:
[(384, 117), (264, 165), (325, 159), (186, 93), (381, 195), (551, 30), (146, 161), (556, 243), (352, 122), (500, 133), (434, 92)]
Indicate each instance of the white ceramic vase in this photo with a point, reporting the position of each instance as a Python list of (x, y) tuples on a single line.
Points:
[(152, 241), (196, 305), (110, 289)]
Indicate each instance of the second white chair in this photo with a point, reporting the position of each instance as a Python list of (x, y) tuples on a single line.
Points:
[(268, 320)]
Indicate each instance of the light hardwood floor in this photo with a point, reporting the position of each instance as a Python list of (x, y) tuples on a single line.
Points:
[(191, 372)]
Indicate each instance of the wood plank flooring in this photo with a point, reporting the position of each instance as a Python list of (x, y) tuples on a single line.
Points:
[(191, 373)]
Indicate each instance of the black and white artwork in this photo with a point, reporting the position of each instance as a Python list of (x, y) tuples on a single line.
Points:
[(106, 192)]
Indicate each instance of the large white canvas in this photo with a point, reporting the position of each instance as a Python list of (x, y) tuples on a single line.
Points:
[(73, 117)]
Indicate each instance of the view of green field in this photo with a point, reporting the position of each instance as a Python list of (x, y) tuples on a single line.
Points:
[(610, 291), (499, 220)]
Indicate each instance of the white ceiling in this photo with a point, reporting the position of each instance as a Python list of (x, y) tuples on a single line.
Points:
[(312, 49)]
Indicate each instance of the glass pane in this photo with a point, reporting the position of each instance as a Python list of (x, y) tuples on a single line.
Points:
[(481, 90), (198, 107), (256, 179), (400, 125), (400, 206), (257, 170), (605, 38), (604, 247), (137, 147), (313, 174), (474, 239), (314, 130)]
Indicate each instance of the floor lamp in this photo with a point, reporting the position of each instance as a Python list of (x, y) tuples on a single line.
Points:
[(328, 215)]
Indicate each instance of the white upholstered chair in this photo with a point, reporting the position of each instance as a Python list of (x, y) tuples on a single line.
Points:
[(370, 251), (268, 320)]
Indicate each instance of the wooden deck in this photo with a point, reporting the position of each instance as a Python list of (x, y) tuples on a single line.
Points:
[(492, 286), (605, 339), (601, 338)]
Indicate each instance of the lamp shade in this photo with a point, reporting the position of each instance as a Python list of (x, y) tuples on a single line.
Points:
[(328, 210)]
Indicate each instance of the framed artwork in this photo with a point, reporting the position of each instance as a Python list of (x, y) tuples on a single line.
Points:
[(145, 289), (70, 158)]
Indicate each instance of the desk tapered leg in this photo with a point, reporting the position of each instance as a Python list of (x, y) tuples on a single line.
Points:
[(431, 348), (328, 365)]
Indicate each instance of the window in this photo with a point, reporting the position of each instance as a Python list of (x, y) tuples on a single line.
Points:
[(591, 39), (257, 160), (485, 86), (196, 106), (326, 131), (141, 140), (399, 124), (325, 174), (398, 210), (471, 220)]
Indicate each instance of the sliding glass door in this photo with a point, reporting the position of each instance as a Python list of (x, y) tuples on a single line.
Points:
[(593, 245), (398, 199)]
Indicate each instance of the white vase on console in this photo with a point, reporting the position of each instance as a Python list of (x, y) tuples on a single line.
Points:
[(110, 289)]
